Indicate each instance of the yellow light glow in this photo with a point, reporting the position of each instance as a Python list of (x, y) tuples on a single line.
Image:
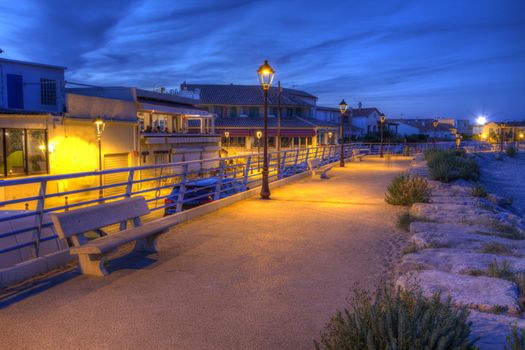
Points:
[(484, 136), (521, 135), (42, 147)]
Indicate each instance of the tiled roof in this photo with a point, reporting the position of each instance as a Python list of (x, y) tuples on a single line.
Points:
[(247, 95), (166, 98), (364, 112), (424, 125), (258, 122)]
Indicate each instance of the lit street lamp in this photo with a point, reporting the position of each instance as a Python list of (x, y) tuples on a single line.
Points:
[(100, 125), (266, 74), (382, 119), (342, 108), (330, 137), (227, 135), (435, 123)]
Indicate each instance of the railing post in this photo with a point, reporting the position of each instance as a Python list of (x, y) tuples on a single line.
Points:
[(40, 215), (322, 155), (129, 185), (219, 183), (246, 173), (316, 151), (182, 188), (296, 158), (307, 156)]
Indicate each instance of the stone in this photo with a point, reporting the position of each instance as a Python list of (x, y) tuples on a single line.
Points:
[(450, 212), (491, 329), (459, 261), (482, 293)]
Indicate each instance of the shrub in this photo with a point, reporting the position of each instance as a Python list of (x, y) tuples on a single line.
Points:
[(479, 191), (449, 165), (403, 221), (516, 339), (407, 190), (510, 151), (496, 248), (397, 319), (504, 271)]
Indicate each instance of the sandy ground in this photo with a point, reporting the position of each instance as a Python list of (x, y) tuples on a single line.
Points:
[(505, 177), (255, 275)]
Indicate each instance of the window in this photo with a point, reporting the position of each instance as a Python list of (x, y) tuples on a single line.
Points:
[(23, 152), (141, 124), (233, 111), (48, 92), (253, 111), (274, 111), (15, 91)]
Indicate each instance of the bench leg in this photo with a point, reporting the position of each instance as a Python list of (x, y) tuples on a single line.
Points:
[(92, 265), (147, 244)]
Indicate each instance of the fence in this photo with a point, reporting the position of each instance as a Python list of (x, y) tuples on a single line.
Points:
[(168, 188)]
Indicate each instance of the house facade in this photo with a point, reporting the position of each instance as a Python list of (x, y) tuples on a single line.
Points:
[(240, 110), (424, 127), (506, 131)]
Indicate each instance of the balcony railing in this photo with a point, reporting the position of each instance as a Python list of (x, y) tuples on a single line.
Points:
[(155, 138)]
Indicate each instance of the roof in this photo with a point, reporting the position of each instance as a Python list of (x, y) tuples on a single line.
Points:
[(364, 112), (162, 97), (424, 125), (32, 64), (514, 123), (247, 95), (24, 112), (258, 122)]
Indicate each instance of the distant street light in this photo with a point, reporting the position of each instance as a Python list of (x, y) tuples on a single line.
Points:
[(382, 119), (330, 134), (227, 135), (100, 125), (266, 74), (342, 108), (435, 123)]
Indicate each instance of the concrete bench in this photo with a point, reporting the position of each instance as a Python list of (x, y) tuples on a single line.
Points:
[(360, 153), (314, 165), (92, 253)]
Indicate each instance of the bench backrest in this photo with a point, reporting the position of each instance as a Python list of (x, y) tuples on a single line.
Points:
[(313, 163), (76, 222)]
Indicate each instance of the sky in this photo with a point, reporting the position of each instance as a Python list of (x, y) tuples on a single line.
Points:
[(421, 58)]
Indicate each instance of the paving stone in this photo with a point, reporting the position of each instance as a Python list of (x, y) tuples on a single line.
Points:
[(483, 293)]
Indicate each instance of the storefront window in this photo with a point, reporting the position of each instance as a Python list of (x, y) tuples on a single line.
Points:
[(23, 152), (14, 153), (37, 151)]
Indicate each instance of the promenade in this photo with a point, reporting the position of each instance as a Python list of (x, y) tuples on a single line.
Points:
[(254, 275)]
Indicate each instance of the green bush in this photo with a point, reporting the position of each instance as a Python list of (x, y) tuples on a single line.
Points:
[(479, 191), (397, 319), (407, 190), (516, 340), (450, 165), (510, 151)]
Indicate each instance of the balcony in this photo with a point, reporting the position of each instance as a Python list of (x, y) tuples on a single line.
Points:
[(156, 138)]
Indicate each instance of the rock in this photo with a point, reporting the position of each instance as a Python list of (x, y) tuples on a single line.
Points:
[(450, 212), (482, 293), (459, 261), (438, 235), (492, 329)]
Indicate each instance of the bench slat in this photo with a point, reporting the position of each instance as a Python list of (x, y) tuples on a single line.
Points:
[(72, 223), (108, 243)]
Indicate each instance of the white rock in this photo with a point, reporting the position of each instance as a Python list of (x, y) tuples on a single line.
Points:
[(459, 261), (492, 330), (483, 293)]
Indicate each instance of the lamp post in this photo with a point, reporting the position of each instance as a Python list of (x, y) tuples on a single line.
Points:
[(266, 74), (227, 135), (435, 123), (330, 137), (258, 134), (342, 108), (278, 137), (382, 119), (100, 125)]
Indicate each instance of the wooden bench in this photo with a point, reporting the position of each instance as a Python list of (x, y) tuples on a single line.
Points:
[(74, 224), (314, 166)]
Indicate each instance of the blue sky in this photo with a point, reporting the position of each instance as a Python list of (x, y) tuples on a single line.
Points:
[(408, 58)]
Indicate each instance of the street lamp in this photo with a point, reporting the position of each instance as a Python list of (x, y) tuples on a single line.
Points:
[(435, 123), (227, 135), (330, 137), (100, 125), (266, 74), (382, 119), (342, 108)]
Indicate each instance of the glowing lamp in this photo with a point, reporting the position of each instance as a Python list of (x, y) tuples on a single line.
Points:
[(226, 134), (100, 124), (481, 120), (258, 134), (42, 147), (266, 74), (435, 123), (330, 134), (382, 118), (343, 106), (521, 135)]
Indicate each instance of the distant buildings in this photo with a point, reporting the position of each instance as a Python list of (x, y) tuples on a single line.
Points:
[(424, 127), (502, 131)]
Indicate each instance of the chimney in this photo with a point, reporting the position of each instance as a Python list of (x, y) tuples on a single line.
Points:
[(359, 105)]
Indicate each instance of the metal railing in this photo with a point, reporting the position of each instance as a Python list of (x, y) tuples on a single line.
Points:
[(168, 188)]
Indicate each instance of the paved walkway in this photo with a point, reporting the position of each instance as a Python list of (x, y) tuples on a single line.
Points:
[(255, 275)]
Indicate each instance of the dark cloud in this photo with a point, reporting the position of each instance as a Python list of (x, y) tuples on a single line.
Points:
[(408, 57)]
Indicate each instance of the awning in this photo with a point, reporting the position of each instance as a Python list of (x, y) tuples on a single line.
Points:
[(173, 109)]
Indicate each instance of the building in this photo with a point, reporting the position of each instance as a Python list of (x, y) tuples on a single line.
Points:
[(358, 122), (424, 127), (240, 114), (502, 131)]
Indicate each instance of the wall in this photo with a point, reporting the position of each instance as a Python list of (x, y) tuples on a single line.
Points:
[(82, 106), (31, 75)]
